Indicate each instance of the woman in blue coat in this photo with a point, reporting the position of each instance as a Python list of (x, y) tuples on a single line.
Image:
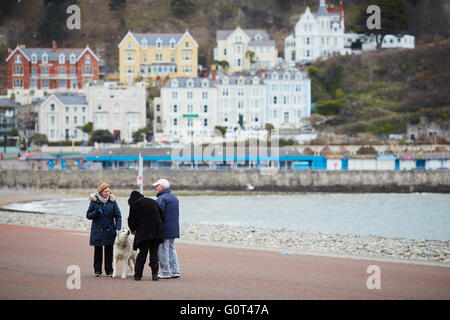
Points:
[(106, 219)]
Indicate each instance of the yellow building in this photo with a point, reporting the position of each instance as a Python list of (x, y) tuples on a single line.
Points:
[(157, 56)]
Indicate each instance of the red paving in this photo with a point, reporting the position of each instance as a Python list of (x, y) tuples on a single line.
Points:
[(33, 264)]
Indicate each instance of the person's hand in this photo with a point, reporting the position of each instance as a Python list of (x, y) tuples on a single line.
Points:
[(133, 232)]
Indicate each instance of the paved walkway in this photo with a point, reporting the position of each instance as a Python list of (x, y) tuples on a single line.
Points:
[(34, 261)]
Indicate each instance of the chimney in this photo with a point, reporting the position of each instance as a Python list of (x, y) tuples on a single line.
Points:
[(341, 11), (9, 51), (53, 46), (22, 46)]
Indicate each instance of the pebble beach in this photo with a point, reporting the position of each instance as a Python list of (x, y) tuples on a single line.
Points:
[(422, 250)]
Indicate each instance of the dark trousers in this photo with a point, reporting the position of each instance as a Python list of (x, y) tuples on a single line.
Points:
[(148, 246), (98, 257)]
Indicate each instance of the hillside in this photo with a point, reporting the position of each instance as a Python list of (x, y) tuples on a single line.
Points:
[(376, 92), (381, 92)]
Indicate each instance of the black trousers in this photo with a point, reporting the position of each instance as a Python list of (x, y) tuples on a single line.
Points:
[(98, 257), (148, 246)]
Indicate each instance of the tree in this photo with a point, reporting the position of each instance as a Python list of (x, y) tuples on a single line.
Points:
[(53, 24), (222, 129), (250, 55), (115, 5), (39, 139), (138, 136), (181, 8), (87, 128), (223, 64), (101, 136), (394, 20)]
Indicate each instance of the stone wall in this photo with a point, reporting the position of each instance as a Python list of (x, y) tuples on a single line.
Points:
[(302, 181)]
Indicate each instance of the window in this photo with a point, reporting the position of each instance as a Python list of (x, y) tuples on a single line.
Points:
[(190, 108), (158, 119), (44, 58), (158, 107), (44, 83), (275, 100), (75, 120), (172, 58), (189, 94), (186, 44), (87, 59), (144, 58), (129, 45), (190, 122), (33, 58), (286, 117), (67, 120), (175, 108), (62, 58), (52, 107), (158, 44), (205, 122), (99, 107), (172, 44), (144, 44), (175, 122), (205, 108), (225, 52), (18, 59), (73, 70), (44, 70), (62, 84), (205, 95), (61, 70), (72, 58), (174, 95)]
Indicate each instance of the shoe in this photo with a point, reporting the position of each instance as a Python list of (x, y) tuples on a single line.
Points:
[(155, 277), (97, 274), (164, 276), (109, 275), (175, 275), (137, 278)]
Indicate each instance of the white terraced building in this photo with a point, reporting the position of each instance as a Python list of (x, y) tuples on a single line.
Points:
[(242, 104)]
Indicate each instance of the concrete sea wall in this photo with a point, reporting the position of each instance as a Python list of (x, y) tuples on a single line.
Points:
[(293, 181)]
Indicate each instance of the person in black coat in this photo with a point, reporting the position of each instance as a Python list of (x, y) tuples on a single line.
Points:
[(146, 222)]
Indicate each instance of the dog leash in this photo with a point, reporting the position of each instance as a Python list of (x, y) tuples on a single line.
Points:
[(106, 221)]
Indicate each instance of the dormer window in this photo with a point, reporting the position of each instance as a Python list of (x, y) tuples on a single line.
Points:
[(298, 76), (172, 43), (158, 44), (225, 80), (241, 80), (62, 58), (258, 37), (34, 58), (174, 83), (190, 83), (255, 80), (286, 76), (205, 83), (45, 58), (274, 76), (144, 44), (72, 58)]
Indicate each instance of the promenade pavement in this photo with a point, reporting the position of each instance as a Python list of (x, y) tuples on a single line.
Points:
[(34, 262)]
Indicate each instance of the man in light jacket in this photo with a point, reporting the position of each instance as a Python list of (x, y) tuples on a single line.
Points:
[(167, 254)]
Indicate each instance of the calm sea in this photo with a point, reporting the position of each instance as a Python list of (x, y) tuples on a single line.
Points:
[(415, 216)]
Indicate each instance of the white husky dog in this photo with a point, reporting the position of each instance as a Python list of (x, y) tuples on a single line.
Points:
[(123, 251)]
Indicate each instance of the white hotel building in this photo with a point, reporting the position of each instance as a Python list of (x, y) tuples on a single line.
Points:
[(243, 104), (322, 35)]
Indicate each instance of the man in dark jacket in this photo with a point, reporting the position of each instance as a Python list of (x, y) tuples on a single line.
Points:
[(167, 254), (146, 221)]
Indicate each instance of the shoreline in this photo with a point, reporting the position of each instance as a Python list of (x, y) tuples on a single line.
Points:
[(287, 241)]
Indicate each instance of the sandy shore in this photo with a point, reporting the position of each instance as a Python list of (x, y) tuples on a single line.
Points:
[(353, 245)]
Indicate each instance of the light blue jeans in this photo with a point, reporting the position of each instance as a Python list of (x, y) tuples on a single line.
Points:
[(168, 259)]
